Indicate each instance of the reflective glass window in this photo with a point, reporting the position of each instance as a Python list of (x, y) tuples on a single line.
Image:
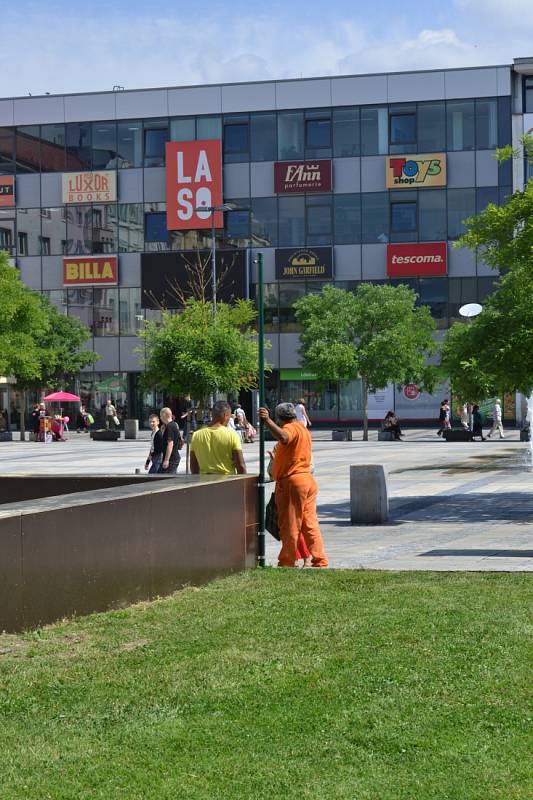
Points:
[(130, 313), (208, 128), (461, 205), (485, 287), (236, 138), (346, 132), (290, 135), (80, 305), (155, 137), (130, 143), (79, 230), (403, 222), (347, 215), (105, 228), (374, 130), (78, 143), (432, 215), (528, 95), (106, 312), (237, 226), (460, 125), (431, 120), (264, 221), (263, 137), (289, 293), (53, 148), (319, 222), (29, 224), (28, 149), (155, 227), (104, 145), (54, 227), (504, 121), (44, 242), (433, 292), (375, 217), (402, 125), (22, 243), (270, 296), (318, 134), (7, 151), (130, 227), (183, 129), (486, 124), (484, 196), (291, 211), (58, 298)]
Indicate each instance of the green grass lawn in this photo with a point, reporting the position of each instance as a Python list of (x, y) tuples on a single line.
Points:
[(279, 684)]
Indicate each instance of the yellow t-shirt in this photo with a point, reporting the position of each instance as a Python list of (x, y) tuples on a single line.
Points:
[(213, 448)]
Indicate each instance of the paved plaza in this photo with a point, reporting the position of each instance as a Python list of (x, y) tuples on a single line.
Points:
[(453, 506)]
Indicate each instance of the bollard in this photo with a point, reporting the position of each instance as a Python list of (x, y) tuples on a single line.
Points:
[(369, 498)]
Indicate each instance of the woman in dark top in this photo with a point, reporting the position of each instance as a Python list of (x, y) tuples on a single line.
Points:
[(155, 456), (477, 423), (391, 424)]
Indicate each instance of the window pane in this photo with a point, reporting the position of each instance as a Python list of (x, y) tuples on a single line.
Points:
[(58, 298), (263, 137), (129, 143), (237, 227), (434, 293), (461, 204), (7, 229), (291, 221), (504, 121), (79, 230), (131, 315), (289, 293), (78, 141), (130, 230), (374, 131), (28, 149), (155, 227), (346, 132), (7, 151), (271, 308), (290, 135), (54, 228), (528, 91), (319, 229), (208, 128), (460, 125), (105, 228), (236, 139), (318, 135), (155, 137), (431, 127), (53, 148), (484, 196), (485, 286), (432, 215), (29, 224), (486, 125), (80, 305), (104, 145), (403, 222), (105, 312), (375, 217), (403, 129), (183, 130), (347, 218), (264, 221)]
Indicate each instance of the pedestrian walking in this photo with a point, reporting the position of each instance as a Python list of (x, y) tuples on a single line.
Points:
[(464, 416), (296, 488), (172, 443), (155, 456), (477, 423), (111, 417), (301, 413), (444, 417), (217, 449), (497, 419)]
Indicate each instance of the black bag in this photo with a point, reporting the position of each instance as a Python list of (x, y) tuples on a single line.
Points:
[(271, 517)]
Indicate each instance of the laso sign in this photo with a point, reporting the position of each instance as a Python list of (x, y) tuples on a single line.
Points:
[(415, 171), (302, 176), (7, 191), (90, 271), (194, 181), (90, 187), (412, 260)]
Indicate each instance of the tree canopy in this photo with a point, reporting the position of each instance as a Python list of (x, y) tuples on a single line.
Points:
[(376, 333)]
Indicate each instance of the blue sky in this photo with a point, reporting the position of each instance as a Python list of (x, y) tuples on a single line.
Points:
[(61, 46)]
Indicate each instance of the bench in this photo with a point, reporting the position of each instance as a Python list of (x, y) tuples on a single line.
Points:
[(385, 436), (457, 435), (341, 436)]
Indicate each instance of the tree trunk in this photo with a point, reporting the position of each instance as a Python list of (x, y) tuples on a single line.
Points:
[(23, 416), (364, 386)]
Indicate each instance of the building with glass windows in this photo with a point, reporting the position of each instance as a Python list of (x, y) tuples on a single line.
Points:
[(344, 179)]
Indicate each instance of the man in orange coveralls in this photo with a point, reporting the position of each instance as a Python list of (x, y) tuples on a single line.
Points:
[(296, 489)]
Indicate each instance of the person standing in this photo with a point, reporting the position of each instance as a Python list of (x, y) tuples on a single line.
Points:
[(477, 423), (301, 413), (497, 419), (465, 416), (172, 443), (444, 417), (217, 448), (296, 488), (155, 456), (111, 418)]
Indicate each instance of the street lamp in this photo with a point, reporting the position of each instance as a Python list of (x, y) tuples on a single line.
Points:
[(261, 534), (203, 212)]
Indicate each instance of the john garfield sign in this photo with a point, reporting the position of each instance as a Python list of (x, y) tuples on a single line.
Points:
[(291, 177), (305, 263)]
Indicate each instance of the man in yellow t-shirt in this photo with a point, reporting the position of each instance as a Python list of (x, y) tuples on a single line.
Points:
[(217, 449)]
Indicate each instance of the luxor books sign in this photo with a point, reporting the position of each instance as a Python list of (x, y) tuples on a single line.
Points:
[(90, 187), (305, 263), (302, 176)]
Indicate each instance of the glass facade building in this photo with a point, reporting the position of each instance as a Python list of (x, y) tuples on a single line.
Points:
[(355, 122)]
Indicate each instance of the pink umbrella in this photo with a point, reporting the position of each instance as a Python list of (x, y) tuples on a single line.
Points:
[(62, 397)]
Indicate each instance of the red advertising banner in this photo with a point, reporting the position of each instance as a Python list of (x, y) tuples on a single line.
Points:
[(90, 271), (7, 191), (194, 180), (302, 176), (412, 260)]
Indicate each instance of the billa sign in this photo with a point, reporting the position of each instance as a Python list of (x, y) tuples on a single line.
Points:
[(90, 187), (302, 176), (194, 181), (90, 271), (7, 191), (415, 171), (413, 260), (306, 263)]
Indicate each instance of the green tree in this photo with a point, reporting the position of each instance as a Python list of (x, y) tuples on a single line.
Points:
[(377, 333), (63, 344), (200, 352)]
